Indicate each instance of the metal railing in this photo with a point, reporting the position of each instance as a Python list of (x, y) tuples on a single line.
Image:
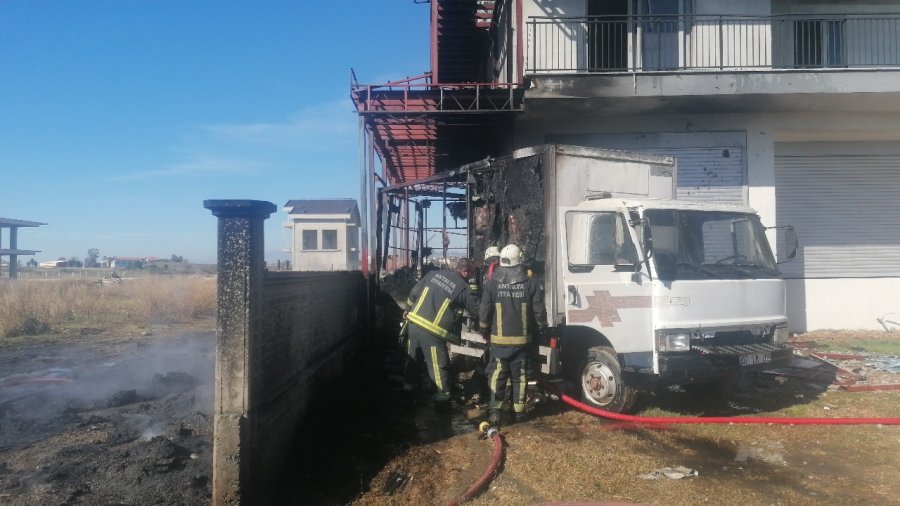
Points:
[(704, 42), (420, 94)]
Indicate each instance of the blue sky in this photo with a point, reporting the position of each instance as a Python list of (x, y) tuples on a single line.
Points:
[(119, 117)]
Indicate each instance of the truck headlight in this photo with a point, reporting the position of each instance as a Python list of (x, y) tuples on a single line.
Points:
[(781, 334), (673, 341)]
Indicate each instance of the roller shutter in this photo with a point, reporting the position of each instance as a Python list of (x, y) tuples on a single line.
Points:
[(846, 211), (708, 174)]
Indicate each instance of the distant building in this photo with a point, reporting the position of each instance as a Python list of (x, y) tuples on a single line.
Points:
[(324, 234), (128, 262), (52, 264)]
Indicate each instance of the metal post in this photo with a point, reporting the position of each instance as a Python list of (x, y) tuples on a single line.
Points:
[(13, 259), (407, 261), (363, 205), (444, 219), (372, 194), (721, 46)]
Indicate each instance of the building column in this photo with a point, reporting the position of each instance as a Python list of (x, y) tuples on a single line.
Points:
[(13, 259), (761, 178), (241, 272)]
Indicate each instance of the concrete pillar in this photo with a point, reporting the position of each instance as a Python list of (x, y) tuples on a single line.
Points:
[(241, 269), (13, 259)]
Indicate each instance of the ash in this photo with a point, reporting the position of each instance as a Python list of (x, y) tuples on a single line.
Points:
[(109, 421)]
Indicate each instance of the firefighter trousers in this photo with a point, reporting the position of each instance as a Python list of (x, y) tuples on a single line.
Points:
[(437, 360), (507, 365)]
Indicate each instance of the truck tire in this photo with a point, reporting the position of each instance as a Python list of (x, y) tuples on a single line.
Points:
[(600, 382)]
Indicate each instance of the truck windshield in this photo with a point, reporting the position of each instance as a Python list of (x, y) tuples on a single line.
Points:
[(709, 245)]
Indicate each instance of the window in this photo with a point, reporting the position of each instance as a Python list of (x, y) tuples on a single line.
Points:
[(818, 43), (310, 240), (329, 239), (709, 245), (599, 239)]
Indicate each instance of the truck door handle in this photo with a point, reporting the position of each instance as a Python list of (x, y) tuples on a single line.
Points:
[(574, 297)]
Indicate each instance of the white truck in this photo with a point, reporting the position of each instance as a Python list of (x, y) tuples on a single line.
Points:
[(642, 290)]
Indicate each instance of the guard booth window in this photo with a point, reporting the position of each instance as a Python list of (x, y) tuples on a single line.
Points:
[(310, 240), (599, 239), (329, 239)]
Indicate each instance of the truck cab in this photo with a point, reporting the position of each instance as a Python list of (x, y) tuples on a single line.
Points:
[(661, 292)]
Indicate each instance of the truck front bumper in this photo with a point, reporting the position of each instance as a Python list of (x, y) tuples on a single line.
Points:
[(710, 362)]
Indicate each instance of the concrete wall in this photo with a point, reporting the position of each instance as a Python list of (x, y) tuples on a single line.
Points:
[(279, 335)]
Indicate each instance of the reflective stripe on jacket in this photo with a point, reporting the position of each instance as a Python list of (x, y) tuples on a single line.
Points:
[(511, 305), (436, 301)]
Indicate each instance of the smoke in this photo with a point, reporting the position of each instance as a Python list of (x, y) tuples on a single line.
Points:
[(148, 383)]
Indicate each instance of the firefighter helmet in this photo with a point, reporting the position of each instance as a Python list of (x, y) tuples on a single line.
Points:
[(491, 252), (510, 256)]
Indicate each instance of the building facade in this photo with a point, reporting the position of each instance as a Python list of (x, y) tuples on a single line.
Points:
[(790, 107), (324, 234)]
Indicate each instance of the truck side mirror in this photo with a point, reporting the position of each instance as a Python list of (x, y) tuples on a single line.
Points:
[(791, 243)]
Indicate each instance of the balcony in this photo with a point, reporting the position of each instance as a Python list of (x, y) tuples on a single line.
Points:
[(687, 43), (714, 64)]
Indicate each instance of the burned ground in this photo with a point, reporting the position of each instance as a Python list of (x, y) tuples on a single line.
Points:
[(118, 420), (107, 420)]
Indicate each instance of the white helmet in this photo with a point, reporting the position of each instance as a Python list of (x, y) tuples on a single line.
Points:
[(492, 251), (510, 256)]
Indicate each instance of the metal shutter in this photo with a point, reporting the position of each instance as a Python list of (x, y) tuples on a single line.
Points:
[(846, 211), (708, 174)]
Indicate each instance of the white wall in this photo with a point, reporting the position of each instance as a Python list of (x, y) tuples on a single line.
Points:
[(339, 259), (842, 303)]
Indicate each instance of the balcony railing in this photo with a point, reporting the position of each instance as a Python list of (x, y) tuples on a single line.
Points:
[(709, 43)]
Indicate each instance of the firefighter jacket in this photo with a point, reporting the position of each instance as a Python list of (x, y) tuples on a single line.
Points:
[(512, 306), (436, 304)]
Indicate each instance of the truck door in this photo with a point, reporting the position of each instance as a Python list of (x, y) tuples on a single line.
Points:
[(605, 285)]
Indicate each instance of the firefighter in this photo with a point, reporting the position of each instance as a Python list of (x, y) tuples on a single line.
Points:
[(511, 307), (433, 310), (491, 260)]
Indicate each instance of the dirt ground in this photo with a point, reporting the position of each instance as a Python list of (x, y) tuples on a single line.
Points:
[(113, 419), (402, 452), (108, 419)]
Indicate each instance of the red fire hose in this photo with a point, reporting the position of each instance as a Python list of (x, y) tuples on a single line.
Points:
[(716, 419), (476, 487)]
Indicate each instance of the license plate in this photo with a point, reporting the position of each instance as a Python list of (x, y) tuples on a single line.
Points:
[(755, 358)]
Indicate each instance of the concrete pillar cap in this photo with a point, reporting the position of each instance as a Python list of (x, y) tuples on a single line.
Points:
[(240, 208)]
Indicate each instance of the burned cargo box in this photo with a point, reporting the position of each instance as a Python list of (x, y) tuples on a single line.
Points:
[(515, 199), (507, 206)]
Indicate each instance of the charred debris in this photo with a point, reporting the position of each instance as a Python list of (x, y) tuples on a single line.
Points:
[(492, 202)]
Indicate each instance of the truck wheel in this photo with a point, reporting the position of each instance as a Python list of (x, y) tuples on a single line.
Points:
[(601, 382)]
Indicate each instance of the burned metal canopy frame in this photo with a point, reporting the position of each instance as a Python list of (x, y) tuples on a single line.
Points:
[(402, 204), (420, 129), (423, 133), (423, 127)]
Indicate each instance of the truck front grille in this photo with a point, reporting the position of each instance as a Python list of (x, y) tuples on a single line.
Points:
[(737, 349)]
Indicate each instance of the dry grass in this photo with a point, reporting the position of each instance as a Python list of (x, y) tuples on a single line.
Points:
[(41, 307), (574, 457)]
